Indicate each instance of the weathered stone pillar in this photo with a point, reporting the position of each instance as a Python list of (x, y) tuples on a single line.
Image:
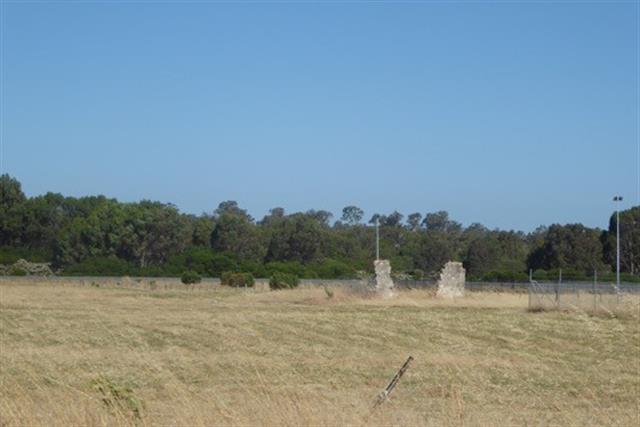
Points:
[(384, 283), (451, 282)]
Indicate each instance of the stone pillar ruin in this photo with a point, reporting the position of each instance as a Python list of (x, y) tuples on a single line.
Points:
[(451, 282), (384, 283)]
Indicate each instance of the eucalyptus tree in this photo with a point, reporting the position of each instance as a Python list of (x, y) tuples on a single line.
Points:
[(352, 215)]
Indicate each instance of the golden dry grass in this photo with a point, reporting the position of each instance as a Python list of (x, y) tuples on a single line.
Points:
[(81, 355)]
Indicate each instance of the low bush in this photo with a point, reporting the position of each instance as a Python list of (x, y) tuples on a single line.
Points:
[(283, 281), (17, 271), (330, 269), (289, 267), (540, 275), (190, 277), (257, 269), (237, 280), (101, 266), (9, 255), (628, 277), (505, 276), (417, 274)]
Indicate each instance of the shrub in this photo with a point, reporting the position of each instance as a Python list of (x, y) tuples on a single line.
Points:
[(221, 262), (151, 271), (628, 277), (505, 276), (289, 267), (9, 255), (190, 277), (332, 269), (202, 260), (417, 274), (283, 281), (237, 280), (101, 266), (17, 271), (257, 269), (540, 275)]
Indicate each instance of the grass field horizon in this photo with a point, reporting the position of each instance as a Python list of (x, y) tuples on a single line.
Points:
[(85, 355)]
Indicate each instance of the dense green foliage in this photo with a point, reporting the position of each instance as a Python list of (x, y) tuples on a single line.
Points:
[(190, 277), (283, 281), (237, 280), (16, 271), (101, 236)]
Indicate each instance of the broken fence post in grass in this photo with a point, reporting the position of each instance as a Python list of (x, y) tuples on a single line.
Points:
[(394, 381)]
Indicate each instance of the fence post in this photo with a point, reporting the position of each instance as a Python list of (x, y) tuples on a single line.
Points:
[(556, 289), (595, 279), (394, 381)]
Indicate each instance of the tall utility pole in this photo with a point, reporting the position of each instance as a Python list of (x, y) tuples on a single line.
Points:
[(617, 199), (377, 239)]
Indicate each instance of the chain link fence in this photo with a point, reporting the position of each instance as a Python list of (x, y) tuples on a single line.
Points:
[(590, 297), (542, 295)]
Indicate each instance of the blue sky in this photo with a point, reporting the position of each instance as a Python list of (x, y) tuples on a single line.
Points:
[(508, 114)]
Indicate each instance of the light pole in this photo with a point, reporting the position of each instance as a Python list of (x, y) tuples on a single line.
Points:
[(617, 199)]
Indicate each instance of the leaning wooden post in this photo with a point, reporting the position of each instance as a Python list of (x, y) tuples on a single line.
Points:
[(392, 384)]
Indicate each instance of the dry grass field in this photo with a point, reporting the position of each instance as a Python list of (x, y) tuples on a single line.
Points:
[(83, 355)]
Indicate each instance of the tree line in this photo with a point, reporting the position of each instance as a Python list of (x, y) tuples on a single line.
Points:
[(101, 236)]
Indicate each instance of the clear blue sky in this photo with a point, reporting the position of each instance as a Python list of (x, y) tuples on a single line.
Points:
[(508, 114)]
